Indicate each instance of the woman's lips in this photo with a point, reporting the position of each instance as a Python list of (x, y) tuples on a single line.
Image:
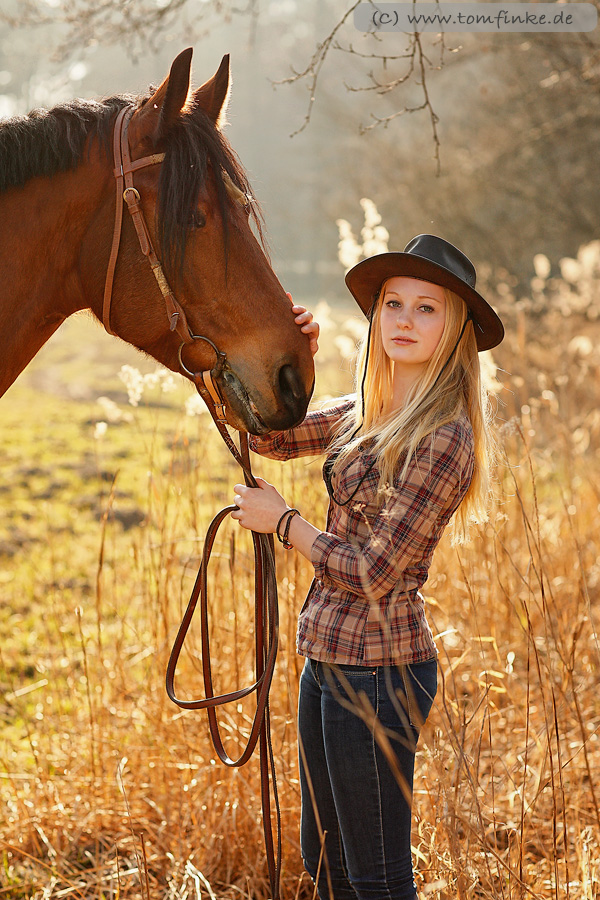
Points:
[(403, 341)]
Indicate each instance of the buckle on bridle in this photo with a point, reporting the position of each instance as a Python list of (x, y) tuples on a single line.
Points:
[(133, 191)]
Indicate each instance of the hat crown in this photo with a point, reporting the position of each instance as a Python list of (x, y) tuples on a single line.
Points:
[(443, 253)]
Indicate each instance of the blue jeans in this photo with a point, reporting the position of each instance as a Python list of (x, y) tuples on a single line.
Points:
[(356, 775)]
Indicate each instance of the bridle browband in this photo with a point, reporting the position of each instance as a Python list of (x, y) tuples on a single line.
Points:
[(265, 590), (124, 167)]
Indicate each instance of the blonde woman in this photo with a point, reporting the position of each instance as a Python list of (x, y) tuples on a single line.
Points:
[(402, 459)]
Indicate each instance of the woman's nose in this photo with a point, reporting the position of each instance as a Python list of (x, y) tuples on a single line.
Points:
[(404, 319)]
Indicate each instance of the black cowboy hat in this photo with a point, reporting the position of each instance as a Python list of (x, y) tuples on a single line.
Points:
[(429, 258)]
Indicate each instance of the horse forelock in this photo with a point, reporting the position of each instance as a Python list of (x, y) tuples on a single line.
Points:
[(195, 148)]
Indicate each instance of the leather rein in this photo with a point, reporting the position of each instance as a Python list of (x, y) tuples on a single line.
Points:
[(265, 583)]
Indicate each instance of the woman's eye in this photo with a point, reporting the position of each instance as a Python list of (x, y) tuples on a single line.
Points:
[(197, 219), (426, 308)]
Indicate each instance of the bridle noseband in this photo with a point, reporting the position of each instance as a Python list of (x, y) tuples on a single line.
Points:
[(209, 377), (124, 168)]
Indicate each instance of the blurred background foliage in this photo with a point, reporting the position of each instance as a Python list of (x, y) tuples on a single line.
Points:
[(488, 139), (104, 502)]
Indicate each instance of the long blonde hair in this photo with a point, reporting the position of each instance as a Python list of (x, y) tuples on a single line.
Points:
[(449, 386)]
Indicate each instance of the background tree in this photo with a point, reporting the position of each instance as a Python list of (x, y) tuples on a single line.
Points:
[(499, 154), (520, 132)]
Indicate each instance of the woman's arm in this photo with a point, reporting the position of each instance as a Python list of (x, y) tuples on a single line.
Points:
[(312, 437), (399, 534), (314, 434), (407, 529)]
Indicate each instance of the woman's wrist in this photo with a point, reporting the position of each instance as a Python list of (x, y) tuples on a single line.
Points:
[(283, 527), (302, 535)]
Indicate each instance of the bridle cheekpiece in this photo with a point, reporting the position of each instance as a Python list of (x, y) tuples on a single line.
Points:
[(124, 167)]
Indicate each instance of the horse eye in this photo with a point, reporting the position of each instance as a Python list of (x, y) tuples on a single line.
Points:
[(197, 219)]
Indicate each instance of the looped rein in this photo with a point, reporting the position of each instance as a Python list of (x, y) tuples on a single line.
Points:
[(266, 643), (265, 583)]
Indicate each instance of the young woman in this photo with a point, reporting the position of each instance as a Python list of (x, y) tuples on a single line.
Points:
[(402, 459)]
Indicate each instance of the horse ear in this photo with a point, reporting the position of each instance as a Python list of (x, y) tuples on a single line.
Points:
[(161, 111), (213, 96), (177, 92)]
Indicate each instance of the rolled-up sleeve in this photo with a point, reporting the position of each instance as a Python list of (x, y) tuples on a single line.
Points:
[(419, 508), (310, 438)]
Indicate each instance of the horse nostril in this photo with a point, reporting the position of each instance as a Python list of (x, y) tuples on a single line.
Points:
[(291, 387)]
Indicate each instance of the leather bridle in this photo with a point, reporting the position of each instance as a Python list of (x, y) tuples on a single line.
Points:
[(124, 167), (265, 583)]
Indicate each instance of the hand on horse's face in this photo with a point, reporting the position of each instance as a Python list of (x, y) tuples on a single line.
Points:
[(304, 318)]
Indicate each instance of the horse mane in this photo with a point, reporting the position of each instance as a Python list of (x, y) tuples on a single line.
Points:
[(47, 142)]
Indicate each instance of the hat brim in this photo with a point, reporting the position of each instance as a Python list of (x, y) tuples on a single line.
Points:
[(365, 279)]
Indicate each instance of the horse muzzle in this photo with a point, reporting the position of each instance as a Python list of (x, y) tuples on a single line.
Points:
[(251, 413), (233, 404)]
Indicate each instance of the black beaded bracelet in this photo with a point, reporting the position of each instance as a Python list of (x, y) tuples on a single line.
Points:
[(283, 539), (286, 542), (280, 539)]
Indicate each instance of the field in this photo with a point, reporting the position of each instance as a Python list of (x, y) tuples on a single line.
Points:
[(109, 791)]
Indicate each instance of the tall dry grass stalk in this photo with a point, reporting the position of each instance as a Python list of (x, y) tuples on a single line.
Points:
[(108, 791)]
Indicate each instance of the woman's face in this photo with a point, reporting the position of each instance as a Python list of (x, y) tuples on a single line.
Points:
[(413, 315)]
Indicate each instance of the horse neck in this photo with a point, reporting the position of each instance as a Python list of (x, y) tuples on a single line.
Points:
[(42, 226)]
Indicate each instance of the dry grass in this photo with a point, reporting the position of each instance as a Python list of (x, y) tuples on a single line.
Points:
[(108, 791)]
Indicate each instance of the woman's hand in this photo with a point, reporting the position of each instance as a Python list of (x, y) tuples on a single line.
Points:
[(260, 508), (304, 318)]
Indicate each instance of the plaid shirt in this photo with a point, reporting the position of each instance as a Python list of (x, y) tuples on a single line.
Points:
[(364, 605)]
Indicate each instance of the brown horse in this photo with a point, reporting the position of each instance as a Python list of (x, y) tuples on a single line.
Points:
[(57, 215)]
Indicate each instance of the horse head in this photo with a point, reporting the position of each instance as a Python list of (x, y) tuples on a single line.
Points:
[(198, 214)]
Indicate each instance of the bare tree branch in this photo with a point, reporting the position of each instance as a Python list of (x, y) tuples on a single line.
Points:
[(134, 22), (313, 69), (139, 23), (422, 59), (417, 61)]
